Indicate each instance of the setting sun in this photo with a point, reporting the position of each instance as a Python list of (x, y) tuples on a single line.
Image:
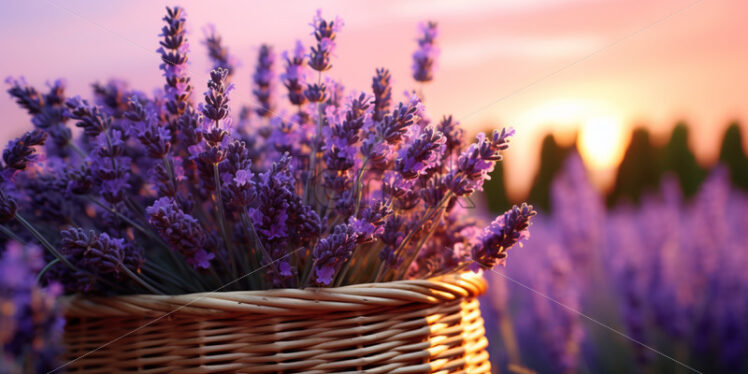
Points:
[(601, 142)]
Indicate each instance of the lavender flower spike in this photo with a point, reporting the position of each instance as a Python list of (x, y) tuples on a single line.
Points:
[(422, 154), (182, 231), (216, 105), (382, 89), (155, 138), (20, 153), (217, 52), (46, 111), (424, 58), (174, 48), (263, 78), (90, 118), (477, 162), (325, 32), (294, 77), (333, 251), (503, 233)]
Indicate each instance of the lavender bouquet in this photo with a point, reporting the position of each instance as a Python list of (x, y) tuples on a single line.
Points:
[(160, 194)]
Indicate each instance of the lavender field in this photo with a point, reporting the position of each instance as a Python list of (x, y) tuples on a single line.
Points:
[(655, 287)]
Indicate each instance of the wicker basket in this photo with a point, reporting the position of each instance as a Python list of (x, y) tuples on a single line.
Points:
[(418, 326)]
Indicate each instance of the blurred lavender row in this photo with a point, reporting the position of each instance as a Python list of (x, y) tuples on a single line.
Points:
[(30, 322), (669, 274)]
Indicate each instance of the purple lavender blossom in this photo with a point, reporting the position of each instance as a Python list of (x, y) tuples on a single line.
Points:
[(98, 258), (475, 163), (217, 52), (454, 134), (281, 210), (332, 251), (90, 118), (394, 127), (263, 78), (502, 234), (325, 33), (391, 237), (154, 137), (112, 97), (26, 96), (182, 231), (424, 58), (382, 93), (46, 111), (294, 77), (173, 50), (370, 223), (316, 92), (336, 91), (111, 169), (378, 146), (240, 191), (340, 151), (20, 152), (101, 253), (216, 105), (216, 111), (422, 154)]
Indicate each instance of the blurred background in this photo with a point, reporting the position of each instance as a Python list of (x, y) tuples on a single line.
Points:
[(630, 118)]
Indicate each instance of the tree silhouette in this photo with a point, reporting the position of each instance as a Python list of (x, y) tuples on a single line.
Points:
[(676, 157), (734, 157), (638, 171)]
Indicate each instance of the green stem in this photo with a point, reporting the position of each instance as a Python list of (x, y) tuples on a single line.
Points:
[(358, 188), (221, 223), (77, 149), (170, 171), (307, 274), (258, 243), (140, 281), (11, 234), (214, 274), (312, 178), (417, 250), (185, 271), (129, 221), (342, 273), (44, 242), (45, 268), (426, 218), (164, 275), (379, 273), (169, 289)]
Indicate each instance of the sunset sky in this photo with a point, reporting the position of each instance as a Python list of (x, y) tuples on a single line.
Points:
[(537, 65)]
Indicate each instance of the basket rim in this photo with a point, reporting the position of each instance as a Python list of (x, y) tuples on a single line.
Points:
[(282, 301)]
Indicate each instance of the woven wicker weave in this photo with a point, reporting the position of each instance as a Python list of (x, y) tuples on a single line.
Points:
[(418, 326)]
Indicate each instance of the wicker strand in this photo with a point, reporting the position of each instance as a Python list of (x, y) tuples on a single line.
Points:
[(418, 326)]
